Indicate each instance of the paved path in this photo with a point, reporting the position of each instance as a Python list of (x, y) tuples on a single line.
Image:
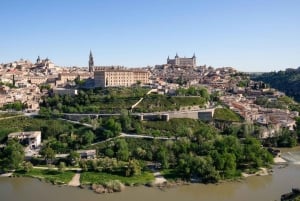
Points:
[(75, 180)]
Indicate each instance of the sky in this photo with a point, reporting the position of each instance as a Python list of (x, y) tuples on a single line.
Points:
[(249, 35)]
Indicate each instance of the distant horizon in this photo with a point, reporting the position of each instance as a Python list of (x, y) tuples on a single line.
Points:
[(246, 35), (137, 66)]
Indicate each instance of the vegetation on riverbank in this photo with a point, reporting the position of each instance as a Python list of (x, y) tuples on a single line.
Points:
[(192, 150), (103, 178), (48, 175), (202, 154)]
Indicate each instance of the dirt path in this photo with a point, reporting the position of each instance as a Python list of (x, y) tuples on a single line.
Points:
[(75, 180), (159, 179)]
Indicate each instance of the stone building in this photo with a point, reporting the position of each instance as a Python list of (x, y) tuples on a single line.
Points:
[(119, 76), (178, 61), (32, 138)]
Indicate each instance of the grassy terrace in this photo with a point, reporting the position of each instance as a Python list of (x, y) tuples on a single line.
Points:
[(53, 176), (225, 114), (155, 103), (7, 114), (96, 100), (102, 178), (49, 127), (174, 127)]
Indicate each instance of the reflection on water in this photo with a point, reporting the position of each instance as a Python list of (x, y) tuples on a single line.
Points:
[(249, 189)]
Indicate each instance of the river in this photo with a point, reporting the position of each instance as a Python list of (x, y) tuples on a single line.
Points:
[(257, 188)]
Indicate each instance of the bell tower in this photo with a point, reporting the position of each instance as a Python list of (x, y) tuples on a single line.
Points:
[(91, 62)]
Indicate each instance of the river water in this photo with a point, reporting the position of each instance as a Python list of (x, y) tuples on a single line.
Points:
[(264, 188)]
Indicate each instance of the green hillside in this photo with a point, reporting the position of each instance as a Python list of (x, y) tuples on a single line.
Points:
[(285, 81)]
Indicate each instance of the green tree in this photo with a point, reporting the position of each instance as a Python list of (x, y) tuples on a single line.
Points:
[(133, 168), (88, 137), (73, 158), (62, 166), (298, 127), (48, 153), (12, 155), (45, 112), (27, 166), (122, 152), (95, 123), (113, 126), (125, 121), (163, 157)]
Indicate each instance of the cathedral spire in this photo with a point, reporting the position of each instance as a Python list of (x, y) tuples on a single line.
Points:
[(91, 62)]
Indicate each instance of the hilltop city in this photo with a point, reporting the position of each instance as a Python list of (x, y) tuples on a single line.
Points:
[(26, 82), (164, 125)]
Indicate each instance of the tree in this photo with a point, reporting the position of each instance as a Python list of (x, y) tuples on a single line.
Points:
[(113, 126), (45, 112), (12, 155), (298, 127), (48, 153), (62, 166), (122, 152), (133, 168), (163, 157), (27, 166), (287, 139), (95, 124), (88, 137), (125, 121), (73, 158)]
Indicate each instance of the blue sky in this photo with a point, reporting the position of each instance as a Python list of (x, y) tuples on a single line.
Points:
[(250, 35)]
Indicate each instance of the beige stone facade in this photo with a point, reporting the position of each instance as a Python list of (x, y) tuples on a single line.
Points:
[(120, 77)]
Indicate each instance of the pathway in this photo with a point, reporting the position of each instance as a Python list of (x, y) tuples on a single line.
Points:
[(75, 180), (159, 179), (141, 99)]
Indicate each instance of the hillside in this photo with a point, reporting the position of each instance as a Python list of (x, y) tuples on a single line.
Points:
[(285, 81)]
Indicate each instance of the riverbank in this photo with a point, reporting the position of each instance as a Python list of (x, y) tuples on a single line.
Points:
[(48, 175), (248, 189), (261, 172), (278, 160), (6, 174)]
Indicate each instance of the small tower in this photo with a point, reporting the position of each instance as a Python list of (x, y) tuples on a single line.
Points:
[(177, 62), (38, 60), (91, 62), (194, 60)]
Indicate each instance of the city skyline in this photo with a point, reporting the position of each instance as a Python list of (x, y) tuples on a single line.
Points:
[(249, 36)]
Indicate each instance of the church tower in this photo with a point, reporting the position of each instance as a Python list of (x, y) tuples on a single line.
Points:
[(91, 62)]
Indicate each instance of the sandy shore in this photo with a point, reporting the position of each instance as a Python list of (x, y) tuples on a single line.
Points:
[(6, 174), (278, 159), (261, 172)]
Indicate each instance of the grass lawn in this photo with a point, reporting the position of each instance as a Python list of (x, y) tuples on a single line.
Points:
[(170, 174), (225, 114), (102, 178), (53, 176)]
